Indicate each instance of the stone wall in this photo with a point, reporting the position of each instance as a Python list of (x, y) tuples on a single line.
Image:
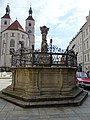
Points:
[(43, 80)]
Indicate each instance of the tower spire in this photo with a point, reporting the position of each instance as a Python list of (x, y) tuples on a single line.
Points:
[(8, 9), (30, 11)]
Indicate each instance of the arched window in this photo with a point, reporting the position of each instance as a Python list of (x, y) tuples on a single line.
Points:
[(12, 43), (5, 22), (29, 24)]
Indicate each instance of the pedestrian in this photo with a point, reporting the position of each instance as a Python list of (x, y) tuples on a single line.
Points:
[(88, 74)]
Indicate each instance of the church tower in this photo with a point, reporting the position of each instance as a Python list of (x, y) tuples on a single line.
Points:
[(30, 28), (5, 20)]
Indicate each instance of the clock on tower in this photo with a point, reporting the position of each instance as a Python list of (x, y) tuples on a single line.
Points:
[(29, 31)]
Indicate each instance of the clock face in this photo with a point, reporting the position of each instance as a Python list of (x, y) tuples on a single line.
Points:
[(29, 31)]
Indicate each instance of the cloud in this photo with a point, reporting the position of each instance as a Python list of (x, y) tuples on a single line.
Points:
[(64, 18), (62, 30)]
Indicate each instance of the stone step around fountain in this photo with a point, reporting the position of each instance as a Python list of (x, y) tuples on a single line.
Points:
[(46, 101)]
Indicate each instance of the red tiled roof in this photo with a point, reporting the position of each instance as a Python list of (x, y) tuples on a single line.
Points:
[(15, 26), (6, 16), (30, 18)]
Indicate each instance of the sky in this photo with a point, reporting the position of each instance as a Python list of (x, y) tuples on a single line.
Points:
[(64, 18)]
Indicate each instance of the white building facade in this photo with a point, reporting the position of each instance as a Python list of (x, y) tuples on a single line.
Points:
[(12, 33), (82, 45)]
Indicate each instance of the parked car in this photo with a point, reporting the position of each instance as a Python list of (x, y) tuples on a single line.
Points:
[(82, 79)]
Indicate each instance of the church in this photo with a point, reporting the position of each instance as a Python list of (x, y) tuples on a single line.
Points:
[(11, 33)]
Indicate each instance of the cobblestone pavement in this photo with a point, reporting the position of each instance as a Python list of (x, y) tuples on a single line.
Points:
[(10, 111)]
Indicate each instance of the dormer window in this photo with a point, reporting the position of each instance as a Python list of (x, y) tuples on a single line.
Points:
[(5, 22), (29, 24)]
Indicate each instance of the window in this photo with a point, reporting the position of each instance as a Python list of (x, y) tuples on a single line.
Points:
[(81, 58), (29, 24), (2, 51), (84, 46), (87, 31), (4, 41), (22, 36), (78, 49), (12, 43), (4, 35), (80, 41), (87, 45), (85, 58), (84, 34), (18, 36), (3, 44), (5, 22), (88, 57), (12, 34)]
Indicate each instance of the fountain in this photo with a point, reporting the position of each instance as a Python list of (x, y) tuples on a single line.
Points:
[(43, 78)]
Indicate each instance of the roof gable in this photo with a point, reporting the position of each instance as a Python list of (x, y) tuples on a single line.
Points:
[(15, 26), (30, 18), (6, 16)]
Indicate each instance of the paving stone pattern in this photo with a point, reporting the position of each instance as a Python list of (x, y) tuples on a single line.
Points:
[(9, 111)]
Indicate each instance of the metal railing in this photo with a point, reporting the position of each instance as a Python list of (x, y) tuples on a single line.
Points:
[(34, 58)]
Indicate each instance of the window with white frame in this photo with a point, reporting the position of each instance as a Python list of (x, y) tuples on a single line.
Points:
[(88, 57), (85, 58), (23, 36), (12, 43), (18, 36), (84, 34), (84, 46), (87, 45), (12, 34)]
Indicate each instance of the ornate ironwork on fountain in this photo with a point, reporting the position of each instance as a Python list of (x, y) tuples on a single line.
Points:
[(54, 49), (22, 56)]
